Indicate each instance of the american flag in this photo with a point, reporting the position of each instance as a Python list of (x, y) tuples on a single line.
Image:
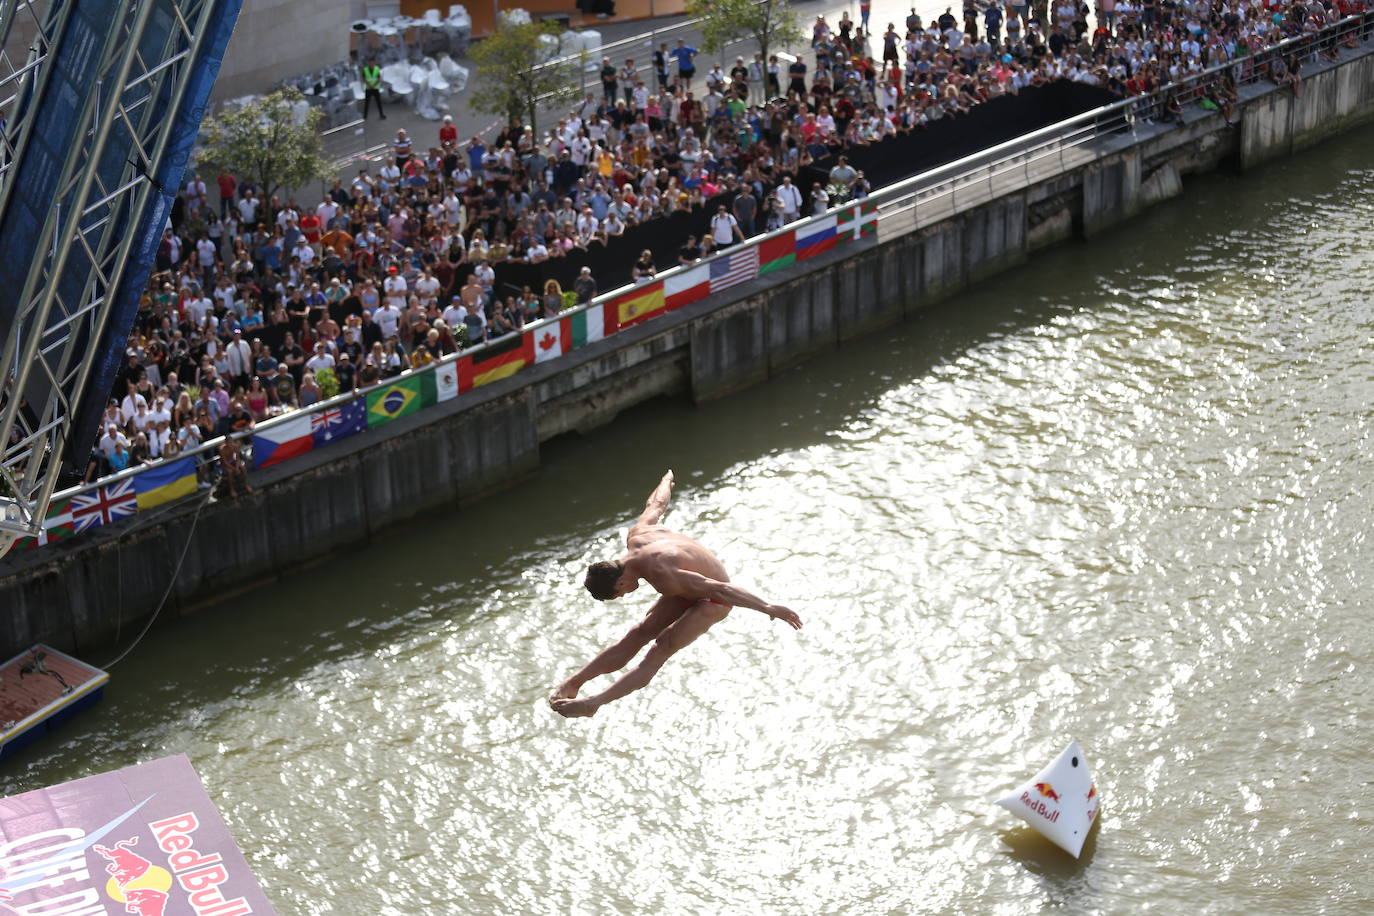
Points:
[(102, 506), (740, 267)]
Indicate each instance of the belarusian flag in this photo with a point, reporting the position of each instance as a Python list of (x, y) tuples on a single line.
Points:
[(591, 324), (778, 252), (57, 524), (865, 215)]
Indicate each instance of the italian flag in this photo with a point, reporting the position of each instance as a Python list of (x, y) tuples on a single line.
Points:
[(591, 324)]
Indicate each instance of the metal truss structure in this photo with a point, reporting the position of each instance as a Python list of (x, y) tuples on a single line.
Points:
[(99, 108)]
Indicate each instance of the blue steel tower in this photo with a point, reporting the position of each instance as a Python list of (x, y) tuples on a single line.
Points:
[(100, 104)]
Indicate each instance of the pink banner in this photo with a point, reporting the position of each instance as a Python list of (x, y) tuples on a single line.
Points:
[(145, 839)]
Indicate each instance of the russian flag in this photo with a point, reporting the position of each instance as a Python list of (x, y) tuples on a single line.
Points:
[(281, 441), (815, 237)]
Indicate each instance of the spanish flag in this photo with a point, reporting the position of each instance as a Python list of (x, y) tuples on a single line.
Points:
[(499, 359), (640, 304), (162, 483)]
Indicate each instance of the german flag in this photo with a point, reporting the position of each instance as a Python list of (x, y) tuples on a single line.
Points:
[(497, 360), (639, 305)]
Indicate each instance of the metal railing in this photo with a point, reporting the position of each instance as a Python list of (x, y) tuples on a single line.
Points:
[(903, 207)]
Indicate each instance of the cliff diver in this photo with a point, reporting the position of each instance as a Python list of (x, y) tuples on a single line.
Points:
[(694, 594)]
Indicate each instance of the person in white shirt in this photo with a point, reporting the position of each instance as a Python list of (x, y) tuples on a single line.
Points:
[(195, 194), (388, 318), (326, 212), (198, 307), (238, 358), (112, 436), (427, 288), (395, 287), (130, 406), (724, 228), (453, 211), (248, 209), (454, 312), (321, 360), (791, 199)]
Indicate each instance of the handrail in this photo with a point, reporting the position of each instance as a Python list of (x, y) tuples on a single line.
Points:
[(1082, 128)]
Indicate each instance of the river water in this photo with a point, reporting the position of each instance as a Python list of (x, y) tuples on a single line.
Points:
[(1120, 495)]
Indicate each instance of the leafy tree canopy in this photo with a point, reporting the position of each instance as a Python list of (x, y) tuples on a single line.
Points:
[(771, 24), (510, 80), (273, 141)]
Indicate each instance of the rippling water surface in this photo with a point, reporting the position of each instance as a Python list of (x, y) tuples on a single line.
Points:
[(1120, 494)]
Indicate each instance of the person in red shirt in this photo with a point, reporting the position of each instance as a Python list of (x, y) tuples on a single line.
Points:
[(447, 132), (227, 185), (310, 228)]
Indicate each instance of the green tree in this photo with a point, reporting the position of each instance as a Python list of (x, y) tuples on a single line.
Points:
[(263, 142), (771, 23), (510, 78)]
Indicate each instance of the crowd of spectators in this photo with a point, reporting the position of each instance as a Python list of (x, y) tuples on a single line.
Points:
[(261, 306)]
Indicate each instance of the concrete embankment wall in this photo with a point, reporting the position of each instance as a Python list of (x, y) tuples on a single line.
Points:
[(79, 593)]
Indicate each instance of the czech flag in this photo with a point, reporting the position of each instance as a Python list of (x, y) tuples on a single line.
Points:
[(816, 237), (282, 441)]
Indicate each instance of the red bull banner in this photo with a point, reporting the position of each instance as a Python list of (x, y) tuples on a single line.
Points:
[(145, 840)]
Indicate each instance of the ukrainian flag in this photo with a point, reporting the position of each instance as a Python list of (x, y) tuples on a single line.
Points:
[(401, 399), (162, 483)]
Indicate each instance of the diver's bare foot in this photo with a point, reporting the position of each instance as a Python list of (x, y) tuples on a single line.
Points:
[(565, 691), (572, 709)]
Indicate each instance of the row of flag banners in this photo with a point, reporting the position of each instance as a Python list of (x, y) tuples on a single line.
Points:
[(306, 431)]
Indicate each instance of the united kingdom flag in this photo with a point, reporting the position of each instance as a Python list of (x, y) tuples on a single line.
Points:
[(103, 506)]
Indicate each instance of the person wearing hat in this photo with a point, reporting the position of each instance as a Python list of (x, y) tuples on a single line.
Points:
[(344, 372), (238, 356), (395, 287)]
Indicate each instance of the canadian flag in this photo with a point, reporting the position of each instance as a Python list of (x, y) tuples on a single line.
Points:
[(552, 340)]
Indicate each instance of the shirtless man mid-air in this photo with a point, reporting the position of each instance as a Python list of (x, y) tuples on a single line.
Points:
[(695, 593)]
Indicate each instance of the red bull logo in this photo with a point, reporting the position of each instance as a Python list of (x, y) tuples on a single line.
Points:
[(125, 865), (1047, 790), (1092, 792), (135, 881), (145, 902)]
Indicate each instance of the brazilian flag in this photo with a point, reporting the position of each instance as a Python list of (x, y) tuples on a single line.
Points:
[(400, 399)]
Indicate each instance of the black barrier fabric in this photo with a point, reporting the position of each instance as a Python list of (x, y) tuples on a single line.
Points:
[(986, 125)]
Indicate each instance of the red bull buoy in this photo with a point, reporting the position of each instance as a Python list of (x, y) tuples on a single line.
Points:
[(1061, 801)]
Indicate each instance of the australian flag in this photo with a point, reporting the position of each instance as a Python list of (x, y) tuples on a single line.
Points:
[(334, 423)]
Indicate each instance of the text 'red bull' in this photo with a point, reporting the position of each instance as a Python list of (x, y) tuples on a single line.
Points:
[(200, 875), (1040, 808)]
